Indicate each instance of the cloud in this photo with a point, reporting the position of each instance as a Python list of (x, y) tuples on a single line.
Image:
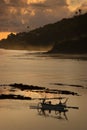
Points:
[(75, 4), (39, 5), (84, 6), (16, 15), (50, 3)]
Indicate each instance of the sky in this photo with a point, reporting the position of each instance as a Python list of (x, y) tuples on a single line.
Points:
[(25, 15)]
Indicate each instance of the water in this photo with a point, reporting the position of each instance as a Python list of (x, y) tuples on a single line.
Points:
[(35, 69)]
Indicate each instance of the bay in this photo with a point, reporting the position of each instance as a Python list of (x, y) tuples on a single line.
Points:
[(34, 68)]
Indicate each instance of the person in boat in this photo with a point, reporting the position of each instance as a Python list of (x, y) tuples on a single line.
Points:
[(49, 102), (43, 102), (60, 103)]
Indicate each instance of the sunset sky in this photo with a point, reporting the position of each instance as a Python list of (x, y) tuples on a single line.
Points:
[(16, 15)]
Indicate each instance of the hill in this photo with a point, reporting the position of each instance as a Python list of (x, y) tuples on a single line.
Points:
[(71, 46), (63, 35)]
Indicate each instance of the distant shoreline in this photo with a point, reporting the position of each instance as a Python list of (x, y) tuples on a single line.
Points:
[(66, 56), (53, 55)]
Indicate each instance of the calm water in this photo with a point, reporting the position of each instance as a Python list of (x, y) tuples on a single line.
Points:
[(34, 69)]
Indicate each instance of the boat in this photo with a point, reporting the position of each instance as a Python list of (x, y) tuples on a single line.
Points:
[(49, 106), (48, 109)]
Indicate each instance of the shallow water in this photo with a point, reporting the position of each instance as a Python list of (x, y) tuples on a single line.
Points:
[(35, 69)]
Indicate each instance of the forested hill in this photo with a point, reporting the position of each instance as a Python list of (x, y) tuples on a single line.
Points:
[(62, 32)]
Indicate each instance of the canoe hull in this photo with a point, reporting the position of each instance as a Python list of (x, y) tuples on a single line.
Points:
[(53, 107)]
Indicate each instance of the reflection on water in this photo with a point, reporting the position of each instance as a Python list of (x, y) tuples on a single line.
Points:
[(54, 73), (57, 114), (61, 115)]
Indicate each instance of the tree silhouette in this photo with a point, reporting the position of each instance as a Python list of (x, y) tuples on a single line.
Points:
[(76, 12), (80, 11)]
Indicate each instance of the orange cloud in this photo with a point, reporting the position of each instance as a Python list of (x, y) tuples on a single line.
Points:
[(75, 4), (35, 1), (4, 34)]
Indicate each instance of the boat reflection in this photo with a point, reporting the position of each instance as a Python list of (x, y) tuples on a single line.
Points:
[(57, 114)]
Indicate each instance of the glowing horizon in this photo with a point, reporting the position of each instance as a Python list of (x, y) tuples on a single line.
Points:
[(3, 35)]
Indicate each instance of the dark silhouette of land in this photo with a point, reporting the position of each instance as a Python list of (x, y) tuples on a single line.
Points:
[(40, 89), (12, 96), (26, 87), (70, 85), (66, 36), (71, 46)]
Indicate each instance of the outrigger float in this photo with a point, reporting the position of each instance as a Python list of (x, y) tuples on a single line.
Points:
[(47, 105)]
